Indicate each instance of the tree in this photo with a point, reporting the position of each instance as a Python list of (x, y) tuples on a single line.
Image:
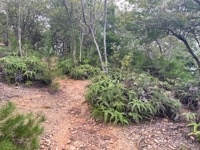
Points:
[(178, 18), (19, 28), (104, 36), (93, 36)]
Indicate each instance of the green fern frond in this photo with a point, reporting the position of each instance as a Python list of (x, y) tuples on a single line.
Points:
[(135, 116)]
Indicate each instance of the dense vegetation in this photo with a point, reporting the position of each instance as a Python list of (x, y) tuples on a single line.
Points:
[(27, 69), (120, 98), (142, 56), (17, 131)]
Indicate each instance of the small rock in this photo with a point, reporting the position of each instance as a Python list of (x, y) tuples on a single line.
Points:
[(192, 138), (156, 141), (75, 131), (165, 120), (164, 130), (71, 148), (173, 148), (42, 147), (158, 132), (69, 141)]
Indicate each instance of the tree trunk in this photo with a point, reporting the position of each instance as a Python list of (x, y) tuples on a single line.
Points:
[(81, 40), (6, 41), (195, 57), (104, 35), (69, 14), (19, 28), (93, 36)]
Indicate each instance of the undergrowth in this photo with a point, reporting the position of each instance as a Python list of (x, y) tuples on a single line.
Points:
[(17, 131), (16, 69), (188, 94), (66, 66), (84, 72), (129, 97)]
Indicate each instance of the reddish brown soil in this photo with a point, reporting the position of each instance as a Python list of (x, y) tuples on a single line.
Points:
[(69, 125)]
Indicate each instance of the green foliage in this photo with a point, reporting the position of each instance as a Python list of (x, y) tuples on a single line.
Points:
[(66, 66), (190, 116), (188, 94), (124, 98), (7, 145), (28, 83), (126, 62), (196, 130), (84, 72), (54, 87), (16, 69), (19, 132), (162, 68)]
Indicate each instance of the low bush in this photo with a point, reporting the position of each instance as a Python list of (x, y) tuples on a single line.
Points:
[(19, 132), (17, 69), (54, 87), (84, 72), (188, 94), (129, 98), (195, 130), (66, 66)]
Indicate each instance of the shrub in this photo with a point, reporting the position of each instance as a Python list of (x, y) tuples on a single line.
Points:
[(54, 87), (16, 69), (195, 130), (84, 72), (19, 132), (188, 94), (66, 66), (129, 98)]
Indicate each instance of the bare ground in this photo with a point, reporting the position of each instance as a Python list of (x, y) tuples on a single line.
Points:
[(70, 127)]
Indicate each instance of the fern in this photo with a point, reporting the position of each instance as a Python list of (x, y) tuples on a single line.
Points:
[(196, 130), (190, 116), (30, 74), (84, 72), (135, 116), (111, 115), (18, 69), (28, 83), (137, 106), (97, 113), (119, 103)]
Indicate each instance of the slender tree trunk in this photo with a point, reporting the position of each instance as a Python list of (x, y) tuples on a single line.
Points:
[(160, 48), (104, 36), (91, 15), (6, 41), (190, 50), (74, 46), (69, 14), (19, 28), (93, 36), (81, 40)]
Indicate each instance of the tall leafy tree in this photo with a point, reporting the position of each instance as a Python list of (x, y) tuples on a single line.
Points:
[(178, 18)]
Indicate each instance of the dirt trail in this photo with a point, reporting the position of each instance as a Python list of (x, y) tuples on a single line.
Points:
[(69, 126)]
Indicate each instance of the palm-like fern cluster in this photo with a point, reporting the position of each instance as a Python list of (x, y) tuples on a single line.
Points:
[(16, 69), (78, 71), (84, 72), (19, 132), (124, 98), (66, 66)]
